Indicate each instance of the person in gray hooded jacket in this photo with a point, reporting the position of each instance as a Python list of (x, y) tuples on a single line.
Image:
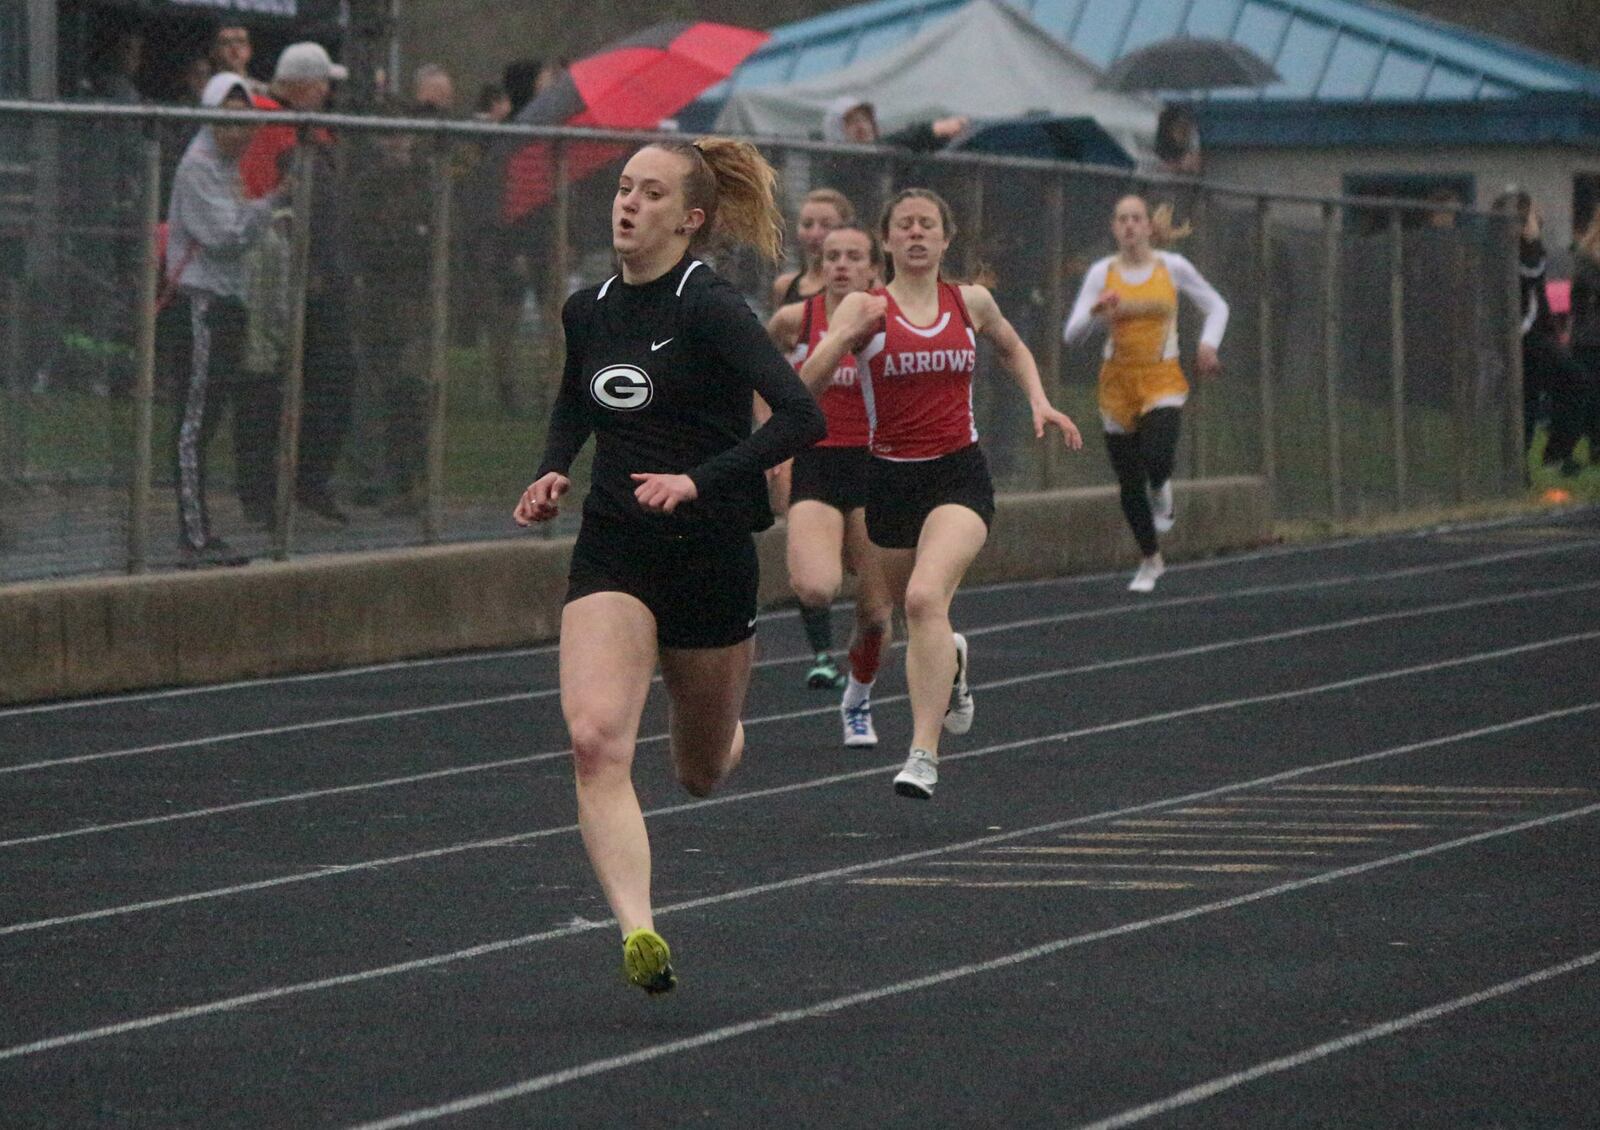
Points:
[(852, 120), (211, 227)]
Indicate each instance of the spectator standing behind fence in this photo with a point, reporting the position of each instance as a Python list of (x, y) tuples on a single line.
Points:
[(1549, 375), (392, 229), (303, 80), (211, 228), (855, 119), (113, 71), (196, 73), (434, 91), (231, 53), (1177, 147), (1586, 327), (1134, 296), (493, 104), (508, 251), (852, 120)]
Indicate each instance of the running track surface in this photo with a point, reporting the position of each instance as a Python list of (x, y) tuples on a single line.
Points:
[(1309, 837)]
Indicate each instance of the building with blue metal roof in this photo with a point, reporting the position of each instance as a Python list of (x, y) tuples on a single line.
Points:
[(1371, 98), (1325, 50)]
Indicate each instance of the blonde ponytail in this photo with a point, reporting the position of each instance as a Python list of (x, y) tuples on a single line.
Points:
[(732, 183), (1163, 231), (746, 186)]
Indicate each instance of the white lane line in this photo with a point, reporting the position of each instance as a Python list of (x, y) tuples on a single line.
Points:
[(1202, 1091), (1134, 607), (230, 1004), (272, 681), (818, 782), (1034, 676), (943, 977), (1265, 553), (1128, 608)]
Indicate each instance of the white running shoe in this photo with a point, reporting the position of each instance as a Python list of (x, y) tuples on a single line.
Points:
[(918, 777), (858, 731), (958, 716), (1162, 510), (1150, 570)]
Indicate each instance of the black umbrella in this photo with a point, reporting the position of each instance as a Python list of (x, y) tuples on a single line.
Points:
[(1186, 63), (1049, 138)]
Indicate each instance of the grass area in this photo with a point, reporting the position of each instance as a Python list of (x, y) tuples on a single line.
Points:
[(68, 436)]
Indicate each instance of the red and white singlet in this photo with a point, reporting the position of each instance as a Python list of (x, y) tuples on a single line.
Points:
[(841, 401), (917, 381)]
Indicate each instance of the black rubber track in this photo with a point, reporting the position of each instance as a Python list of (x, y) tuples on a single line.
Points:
[(1308, 837)]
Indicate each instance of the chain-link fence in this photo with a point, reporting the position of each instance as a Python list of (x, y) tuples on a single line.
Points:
[(386, 376)]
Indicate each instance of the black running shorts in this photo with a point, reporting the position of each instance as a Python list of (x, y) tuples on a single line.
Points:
[(900, 496), (701, 592), (835, 476)]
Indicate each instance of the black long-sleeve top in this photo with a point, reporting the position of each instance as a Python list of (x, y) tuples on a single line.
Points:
[(1585, 303), (661, 374), (1536, 317)]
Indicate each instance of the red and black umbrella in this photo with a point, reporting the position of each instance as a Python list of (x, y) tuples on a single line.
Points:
[(632, 84)]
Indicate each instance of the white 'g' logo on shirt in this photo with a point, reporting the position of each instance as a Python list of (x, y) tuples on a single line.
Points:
[(623, 387)]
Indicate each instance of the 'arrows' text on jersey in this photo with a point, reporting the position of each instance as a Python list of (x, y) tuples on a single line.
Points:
[(930, 361)]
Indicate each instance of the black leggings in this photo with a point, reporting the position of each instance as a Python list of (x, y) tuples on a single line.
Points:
[(1547, 368), (1143, 461)]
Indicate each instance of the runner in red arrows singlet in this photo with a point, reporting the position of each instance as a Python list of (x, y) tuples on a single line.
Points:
[(929, 497), (827, 527)]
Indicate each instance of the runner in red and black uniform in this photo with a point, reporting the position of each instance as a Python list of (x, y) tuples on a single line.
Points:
[(827, 526), (929, 496), (822, 210)]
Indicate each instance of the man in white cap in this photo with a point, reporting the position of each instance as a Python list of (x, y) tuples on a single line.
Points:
[(304, 77), (303, 81)]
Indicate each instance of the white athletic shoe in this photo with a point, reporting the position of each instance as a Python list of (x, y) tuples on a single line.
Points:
[(858, 731), (958, 716), (1162, 510), (1150, 570), (919, 776)]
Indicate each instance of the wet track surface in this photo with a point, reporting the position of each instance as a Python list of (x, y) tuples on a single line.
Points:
[(1305, 838)]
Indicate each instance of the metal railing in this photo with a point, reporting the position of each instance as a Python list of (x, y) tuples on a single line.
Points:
[(1372, 362)]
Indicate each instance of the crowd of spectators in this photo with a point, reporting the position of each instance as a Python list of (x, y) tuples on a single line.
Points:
[(363, 423), (366, 305), (1560, 370)]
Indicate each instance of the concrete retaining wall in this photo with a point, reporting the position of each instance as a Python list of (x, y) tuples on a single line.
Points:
[(70, 638)]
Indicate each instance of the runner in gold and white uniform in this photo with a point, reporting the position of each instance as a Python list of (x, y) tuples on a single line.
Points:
[(1134, 295)]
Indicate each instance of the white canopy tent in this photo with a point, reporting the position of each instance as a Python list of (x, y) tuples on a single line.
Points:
[(986, 60)]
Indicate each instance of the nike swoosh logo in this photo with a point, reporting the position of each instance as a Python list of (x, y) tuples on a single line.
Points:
[(655, 345)]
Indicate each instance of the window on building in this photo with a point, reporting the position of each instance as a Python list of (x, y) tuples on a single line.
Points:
[(1456, 188)]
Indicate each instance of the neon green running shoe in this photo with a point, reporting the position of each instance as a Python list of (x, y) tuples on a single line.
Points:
[(647, 962), (825, 674)]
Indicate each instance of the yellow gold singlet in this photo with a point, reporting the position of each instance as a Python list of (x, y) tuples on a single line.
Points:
[(1141, 367)]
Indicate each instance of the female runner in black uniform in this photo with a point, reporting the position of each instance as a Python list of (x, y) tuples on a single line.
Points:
[(661, 363), (821, 211)]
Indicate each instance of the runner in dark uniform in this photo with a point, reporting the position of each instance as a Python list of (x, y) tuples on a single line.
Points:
[(661, 363), (821, 211)]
